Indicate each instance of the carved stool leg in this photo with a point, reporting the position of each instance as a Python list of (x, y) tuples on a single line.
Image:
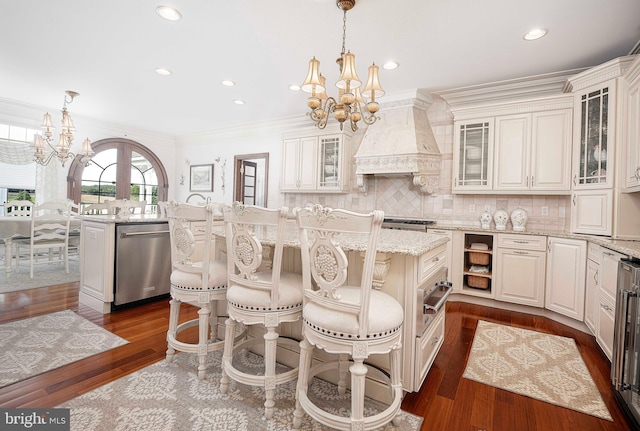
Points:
[(228, 353), (174, 313), (358, 373), (203, 339), (306, 351), (270, 345)]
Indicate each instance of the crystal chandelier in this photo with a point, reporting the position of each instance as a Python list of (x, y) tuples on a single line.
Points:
[(62, 151), (349, 106)]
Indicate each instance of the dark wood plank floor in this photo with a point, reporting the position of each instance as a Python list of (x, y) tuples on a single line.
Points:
[(446, 401)]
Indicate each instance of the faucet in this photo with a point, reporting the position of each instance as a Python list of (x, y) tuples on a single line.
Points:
[(199, 196)]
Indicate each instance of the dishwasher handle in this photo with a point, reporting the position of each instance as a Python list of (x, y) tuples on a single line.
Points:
[(146, 233)]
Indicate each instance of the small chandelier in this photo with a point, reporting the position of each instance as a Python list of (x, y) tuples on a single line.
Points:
[(349, 105), (62, 151)]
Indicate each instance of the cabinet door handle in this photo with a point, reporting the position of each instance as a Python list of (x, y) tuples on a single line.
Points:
[(575, 179), (527, 180), (605, 307), (574, 200), (531, 180), (435, 341), (549, 247), (595, 276), (435, 259)]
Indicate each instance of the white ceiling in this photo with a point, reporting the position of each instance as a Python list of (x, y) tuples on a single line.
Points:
[(108, 50)]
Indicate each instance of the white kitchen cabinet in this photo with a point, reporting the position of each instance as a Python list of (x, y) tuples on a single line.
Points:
[(532, 152), (473, 155), (631, 158), (606, 324), (300, 164), (591, 295), (592, 212), (316, 163), (565, 279), (609, 270), (519, 269), (97, 270), (594, 136)]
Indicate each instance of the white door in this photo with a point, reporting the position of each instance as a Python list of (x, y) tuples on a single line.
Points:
[(519, 276), (551, 151), (566, 266), (592, 212), (511, 152)]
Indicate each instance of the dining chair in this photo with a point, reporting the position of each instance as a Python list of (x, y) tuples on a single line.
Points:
[(50, 223), (260, 294), (18, 208), (125, 207), (344, 316), (95, 209), (196, 279)]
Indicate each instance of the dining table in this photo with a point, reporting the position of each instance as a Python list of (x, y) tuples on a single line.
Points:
[(18, 227)]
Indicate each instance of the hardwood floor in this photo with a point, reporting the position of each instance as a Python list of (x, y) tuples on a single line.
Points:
[(446, 401)]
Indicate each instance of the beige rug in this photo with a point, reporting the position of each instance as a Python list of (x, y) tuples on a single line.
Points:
[(32, 346), (169, 397), (541, 366)]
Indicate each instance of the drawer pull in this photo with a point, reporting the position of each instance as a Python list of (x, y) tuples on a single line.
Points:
[(608, 253), (435, 259), (520, 252), (435, 341), (519, 241), (606, 307)]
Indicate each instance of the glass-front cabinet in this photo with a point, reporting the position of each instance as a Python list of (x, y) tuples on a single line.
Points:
[(473, 158), (595, 141), (330, 162)]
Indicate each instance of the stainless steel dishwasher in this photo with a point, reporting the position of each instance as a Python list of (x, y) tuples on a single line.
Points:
[(143, 262)]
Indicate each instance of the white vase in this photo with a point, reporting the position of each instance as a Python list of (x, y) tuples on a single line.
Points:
[(485, 220), (519, 219), (501, 218)]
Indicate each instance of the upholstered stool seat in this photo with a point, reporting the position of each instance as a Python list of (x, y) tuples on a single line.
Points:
[(343, 319), (196, 279), (259, 294)]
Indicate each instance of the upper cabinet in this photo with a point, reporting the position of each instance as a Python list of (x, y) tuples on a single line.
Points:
[(513, 137), (316, 164), (594, 144), (631, 138), (473, 157), (533, 152)]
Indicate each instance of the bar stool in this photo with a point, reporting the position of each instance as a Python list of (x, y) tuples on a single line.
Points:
[(342, 319), (196, 279), (259, 293)]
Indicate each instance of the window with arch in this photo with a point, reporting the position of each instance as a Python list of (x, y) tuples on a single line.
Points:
[(120, 169)]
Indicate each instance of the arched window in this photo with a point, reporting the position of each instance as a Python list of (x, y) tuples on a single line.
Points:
[(120, 169)]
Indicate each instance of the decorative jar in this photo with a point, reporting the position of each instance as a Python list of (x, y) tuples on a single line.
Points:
[(501, 218), (519, 219), (485, 220)]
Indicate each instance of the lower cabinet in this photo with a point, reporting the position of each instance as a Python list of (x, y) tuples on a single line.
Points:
[(565, 281), (519, 269), (606, 323), (591, 294)]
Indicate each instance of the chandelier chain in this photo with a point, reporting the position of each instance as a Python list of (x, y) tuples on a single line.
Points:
[(344, 33)]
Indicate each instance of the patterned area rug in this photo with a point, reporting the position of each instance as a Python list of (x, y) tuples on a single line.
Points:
[(165, 397), (541, 366), (43, 275), (33, 346)]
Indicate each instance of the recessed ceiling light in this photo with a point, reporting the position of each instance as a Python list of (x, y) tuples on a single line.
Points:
[(169, 13), (294, 87), (535, 33), (228, 83), (390, 65), (162, 71), (238, 102)]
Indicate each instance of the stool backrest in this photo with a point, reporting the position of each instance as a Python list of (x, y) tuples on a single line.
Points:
[(125, 207), (324, 262), (190, 233), (246, 226)]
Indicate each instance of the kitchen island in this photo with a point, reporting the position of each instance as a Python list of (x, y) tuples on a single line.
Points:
[(408, 265)]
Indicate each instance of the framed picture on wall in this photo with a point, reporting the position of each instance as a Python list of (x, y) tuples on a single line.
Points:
[(201, 178)]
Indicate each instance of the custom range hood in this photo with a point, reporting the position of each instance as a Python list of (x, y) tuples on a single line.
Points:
[(401, 144)]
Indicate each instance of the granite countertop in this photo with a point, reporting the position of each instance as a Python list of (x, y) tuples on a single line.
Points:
[(630, 248), (409, 243), (135, 218)]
